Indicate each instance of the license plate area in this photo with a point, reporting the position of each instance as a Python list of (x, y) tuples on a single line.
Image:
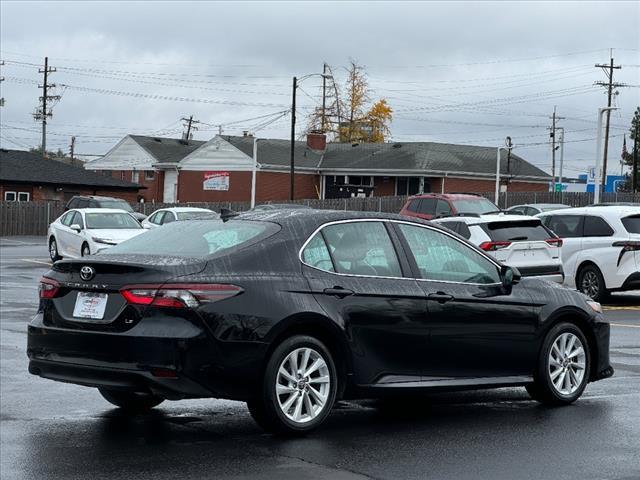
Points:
[(90, 307)]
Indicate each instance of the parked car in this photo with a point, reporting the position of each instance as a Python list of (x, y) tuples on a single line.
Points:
[(168, 215), (85, 231), (433, 205), (535, 208), (601, 247), (93, 201), (515, 240), (290, 311)]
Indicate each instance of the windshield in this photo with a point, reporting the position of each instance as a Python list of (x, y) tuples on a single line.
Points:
[(197, 215), (97, 221), (475, 205), (632, 223), (195, 239), (121, 204)]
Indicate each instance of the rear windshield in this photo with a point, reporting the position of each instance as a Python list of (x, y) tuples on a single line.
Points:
[(121, 204), (196, 238), (527, 230), (110, 220), (632, 223), (196, 215), (477, 205)]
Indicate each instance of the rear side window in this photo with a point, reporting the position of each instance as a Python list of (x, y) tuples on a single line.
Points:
[(414, 205), (632, 223), (442, 208), (527, 230), (460, 228), (196, 239), (72, 203), (317, 254), (565, 226), (428, 206), (168, 218), (362, 248), (596, 227)]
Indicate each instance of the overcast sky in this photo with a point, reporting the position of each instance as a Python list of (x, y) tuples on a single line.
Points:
[(466, 72)]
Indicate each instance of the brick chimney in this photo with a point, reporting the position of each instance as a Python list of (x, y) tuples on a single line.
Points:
[(317, 140)]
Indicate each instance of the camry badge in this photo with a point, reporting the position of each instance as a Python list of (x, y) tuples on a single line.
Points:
[(87, 273)]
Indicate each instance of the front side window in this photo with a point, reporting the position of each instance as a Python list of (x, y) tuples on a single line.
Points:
[(362, 248), (442, 208), (596, 227), (111, 220), (428, 206), (565, 226), (440, 257), (168, 218), (156, 218), (77, 220), (67, 217)]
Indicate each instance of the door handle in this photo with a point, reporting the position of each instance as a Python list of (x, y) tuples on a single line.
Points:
[(338, 292), (440, 297)]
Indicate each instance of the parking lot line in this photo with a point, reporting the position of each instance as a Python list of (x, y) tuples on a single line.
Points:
[(30, 260), (624, 325), (628, 307)]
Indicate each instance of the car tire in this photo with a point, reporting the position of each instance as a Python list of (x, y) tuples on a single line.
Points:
[(133, 402), (298, 388), (85, 251), (53, 250), (562, 370), (591, 283)]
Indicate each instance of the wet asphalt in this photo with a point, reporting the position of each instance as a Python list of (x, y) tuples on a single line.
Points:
[(55, 430)]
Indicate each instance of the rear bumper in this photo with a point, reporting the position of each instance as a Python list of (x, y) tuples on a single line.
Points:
[(168, 356), (631, 283)]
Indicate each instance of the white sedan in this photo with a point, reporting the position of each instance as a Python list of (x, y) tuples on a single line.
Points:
[(85, 231), (167, 215)]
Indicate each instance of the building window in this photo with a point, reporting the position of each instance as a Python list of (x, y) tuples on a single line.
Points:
[(149, 175), (135, 176), (9, 196), (122, 174), (23, 196), (411, 185)]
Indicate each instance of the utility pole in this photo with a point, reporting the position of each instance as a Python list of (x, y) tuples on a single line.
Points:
[(509, 146), (634, 172), (554, 118), (190, 126), (323, 122), (293, 138), (1, 80), (610, 85), (72, 147), (44, 112)]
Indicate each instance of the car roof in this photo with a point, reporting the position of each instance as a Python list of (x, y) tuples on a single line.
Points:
[(448, 196), (494, 217), (611, 210), (185, 209), (98, 210), (96, 197), (542, 205)]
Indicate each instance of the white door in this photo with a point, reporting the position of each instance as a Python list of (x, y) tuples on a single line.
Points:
[(170, 186)]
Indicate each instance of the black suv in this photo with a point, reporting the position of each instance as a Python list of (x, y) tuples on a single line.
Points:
[(92, 201)]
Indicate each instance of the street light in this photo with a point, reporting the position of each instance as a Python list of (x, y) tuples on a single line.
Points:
[(509, 147), (293, 126), (598, 177)]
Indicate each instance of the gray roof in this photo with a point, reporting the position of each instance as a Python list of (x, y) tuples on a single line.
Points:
[(19, 166), (170, 150), (277, 152), (405, 157)]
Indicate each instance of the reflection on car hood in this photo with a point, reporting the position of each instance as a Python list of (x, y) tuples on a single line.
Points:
[(116, 234)]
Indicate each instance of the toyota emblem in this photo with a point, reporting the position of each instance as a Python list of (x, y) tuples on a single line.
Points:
[(87, 273)]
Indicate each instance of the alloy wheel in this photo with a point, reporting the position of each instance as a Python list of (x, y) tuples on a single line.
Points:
[(590, 284), (302, 385), (567, 363), (85, 251), (53, 250)]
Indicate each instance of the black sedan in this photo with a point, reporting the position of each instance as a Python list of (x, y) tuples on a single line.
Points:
[(291, 310)]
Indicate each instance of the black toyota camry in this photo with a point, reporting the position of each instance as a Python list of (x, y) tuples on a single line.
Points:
[(291, 310)]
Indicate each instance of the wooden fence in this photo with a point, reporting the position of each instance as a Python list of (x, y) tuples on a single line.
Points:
[(33, 218)]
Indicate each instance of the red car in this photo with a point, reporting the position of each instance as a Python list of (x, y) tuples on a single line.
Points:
[(433, 205)]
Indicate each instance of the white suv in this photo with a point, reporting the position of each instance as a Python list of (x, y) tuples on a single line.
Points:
[(516, 240), (601, 249)]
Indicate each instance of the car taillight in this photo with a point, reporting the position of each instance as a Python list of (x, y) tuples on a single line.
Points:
[(493, 246), (48, 287), (556, 242), (178, 295), (627, 246)]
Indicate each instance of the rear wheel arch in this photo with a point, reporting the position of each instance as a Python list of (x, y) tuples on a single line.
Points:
[(324, 330)]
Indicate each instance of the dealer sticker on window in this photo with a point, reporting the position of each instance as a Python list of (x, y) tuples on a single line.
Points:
[(90, 305)]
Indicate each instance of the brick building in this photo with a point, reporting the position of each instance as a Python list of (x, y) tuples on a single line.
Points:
[(222, 168), (26, 176)]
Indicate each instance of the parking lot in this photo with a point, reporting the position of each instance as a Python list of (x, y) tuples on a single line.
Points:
[(56, 430)]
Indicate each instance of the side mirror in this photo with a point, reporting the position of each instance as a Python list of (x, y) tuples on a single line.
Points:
[(75, 227), (510, 276)]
